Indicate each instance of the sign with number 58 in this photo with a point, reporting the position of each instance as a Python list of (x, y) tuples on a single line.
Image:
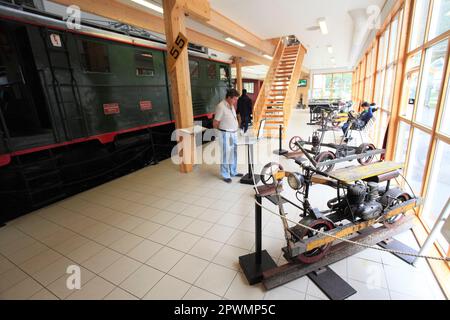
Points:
[(176, 49)]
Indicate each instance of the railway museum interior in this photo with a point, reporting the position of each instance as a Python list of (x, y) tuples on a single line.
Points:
[(224, 150)]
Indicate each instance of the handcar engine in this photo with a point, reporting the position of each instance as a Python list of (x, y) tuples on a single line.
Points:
[(362, 201)]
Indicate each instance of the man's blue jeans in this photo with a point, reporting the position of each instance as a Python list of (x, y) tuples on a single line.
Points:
[(228, 167)]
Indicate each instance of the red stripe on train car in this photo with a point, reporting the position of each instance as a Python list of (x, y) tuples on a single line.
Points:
[(105, 138)]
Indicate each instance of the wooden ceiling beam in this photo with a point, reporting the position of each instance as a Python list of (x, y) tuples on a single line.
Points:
[(197, 9), (118, 11)]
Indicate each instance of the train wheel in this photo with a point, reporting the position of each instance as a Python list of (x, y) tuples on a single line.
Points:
[(293, 143), (325, 156), (398, 200), (318, 253), (365, 147), (268, 171)]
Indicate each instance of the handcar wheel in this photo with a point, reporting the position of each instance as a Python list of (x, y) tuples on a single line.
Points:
[(268, 171), (325, 156), (398, 200), (317, 253), (293, 143), (365, 147)]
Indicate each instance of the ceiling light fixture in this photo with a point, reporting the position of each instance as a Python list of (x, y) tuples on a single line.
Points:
[(333, 60), (267, 56), (323, 25), (240, 44), (448, 14), (149, 5), (330, 49)]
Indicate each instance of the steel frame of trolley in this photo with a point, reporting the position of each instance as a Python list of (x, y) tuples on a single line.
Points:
[(364, 153), (364, 211)]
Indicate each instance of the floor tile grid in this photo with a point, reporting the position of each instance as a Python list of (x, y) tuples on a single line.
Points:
[(149, 219), (209, 262), (75, 263), (293, 288)]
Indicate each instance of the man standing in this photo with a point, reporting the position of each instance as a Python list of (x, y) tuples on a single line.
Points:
[(226, 122), (245, 110)]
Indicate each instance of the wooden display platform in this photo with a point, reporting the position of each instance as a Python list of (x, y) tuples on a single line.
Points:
[(350, 175), (371, 236)]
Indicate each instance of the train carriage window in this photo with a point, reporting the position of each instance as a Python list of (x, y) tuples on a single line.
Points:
[(144, 64), (94, 57), (212, 71), (194, 66), (224, 73)]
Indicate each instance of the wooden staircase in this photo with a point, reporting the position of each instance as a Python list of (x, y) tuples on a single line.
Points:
[(276, 98)]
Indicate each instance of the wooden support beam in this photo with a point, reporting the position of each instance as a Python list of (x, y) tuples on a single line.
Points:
[(198, 9), (180, 82), (128, 14)]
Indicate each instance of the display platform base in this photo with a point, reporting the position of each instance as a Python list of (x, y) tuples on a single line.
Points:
[(281, 152), (396, 245), (253, 271), (248, 179), (331, 284)]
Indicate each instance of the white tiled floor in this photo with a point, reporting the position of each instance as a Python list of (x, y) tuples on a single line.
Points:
[(159, 234)]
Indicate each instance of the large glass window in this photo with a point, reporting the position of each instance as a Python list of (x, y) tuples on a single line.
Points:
[(440, 19), (402, 142), (393, 41), (445, 122), (389, 88), (417, 159), (433, 72), (439, 188), (332, 86), (410, 86), (419, 24), (423, 97)]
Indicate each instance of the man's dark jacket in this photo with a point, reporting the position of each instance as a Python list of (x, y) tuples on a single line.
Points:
[(244, 106)]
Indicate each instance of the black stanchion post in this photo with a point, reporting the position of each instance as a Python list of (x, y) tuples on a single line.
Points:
[(281, 151), (258, 230), (255, 264), (250, 178)]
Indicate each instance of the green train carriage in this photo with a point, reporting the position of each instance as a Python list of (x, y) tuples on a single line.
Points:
[(80, 107)]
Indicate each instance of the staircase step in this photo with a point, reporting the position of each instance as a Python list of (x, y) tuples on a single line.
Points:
[(274, 88), (275, 115), (272, 127)]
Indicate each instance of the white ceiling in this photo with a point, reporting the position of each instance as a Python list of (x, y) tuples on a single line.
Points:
[(275, 18)]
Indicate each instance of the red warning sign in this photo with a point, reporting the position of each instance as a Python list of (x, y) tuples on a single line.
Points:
[(145, 105), (111, 108)]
